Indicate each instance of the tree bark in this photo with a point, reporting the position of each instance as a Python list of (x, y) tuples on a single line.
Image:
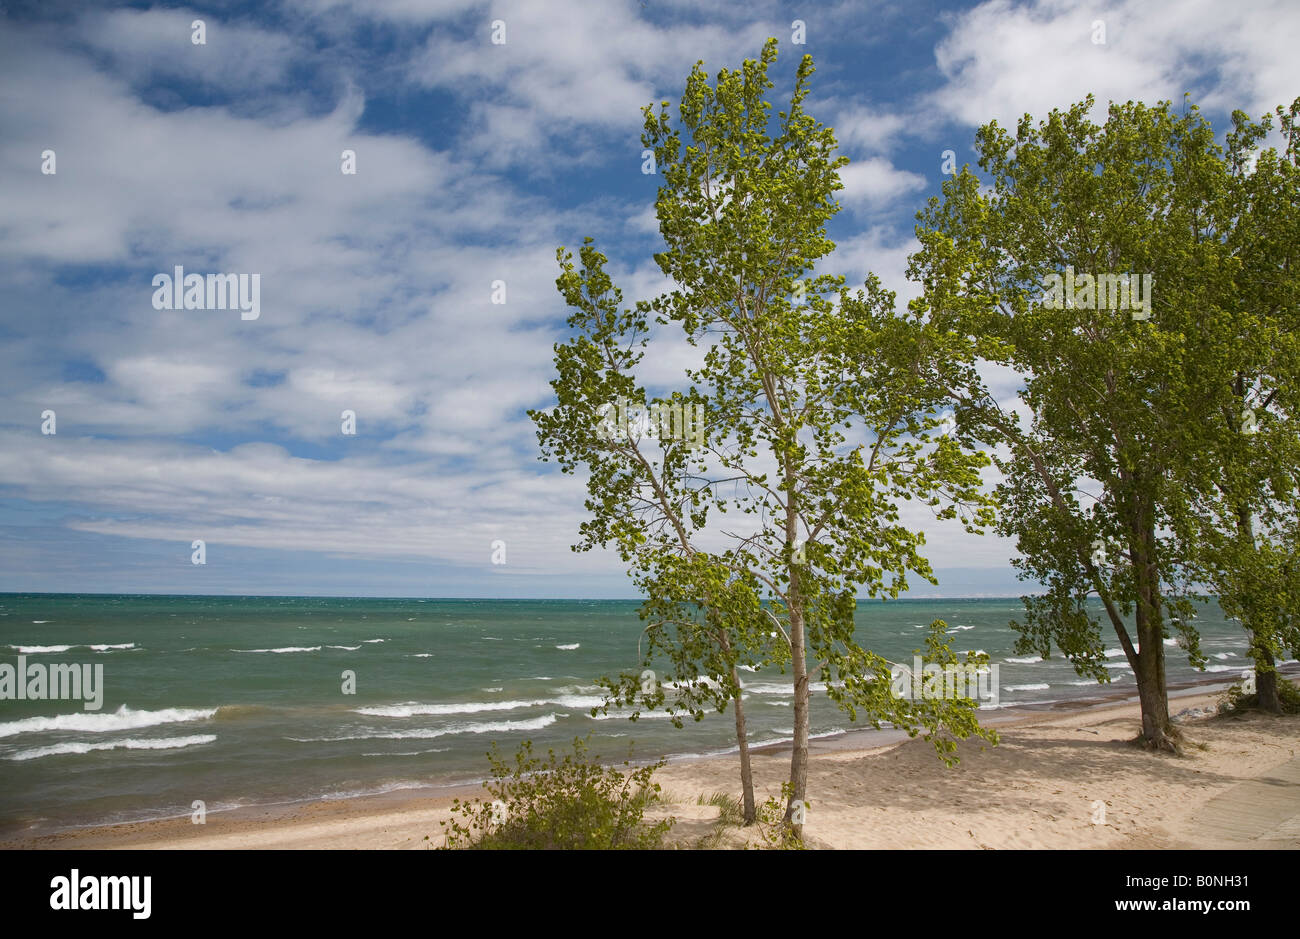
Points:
[(1265, 672), (1158, 732), (1266, 682), (746, 771), (799, 756)]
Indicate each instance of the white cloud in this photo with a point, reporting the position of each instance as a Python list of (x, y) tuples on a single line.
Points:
[(158, 43), (875, 182), (1004, 59)]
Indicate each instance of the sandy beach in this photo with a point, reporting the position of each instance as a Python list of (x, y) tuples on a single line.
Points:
[(1043, 786)]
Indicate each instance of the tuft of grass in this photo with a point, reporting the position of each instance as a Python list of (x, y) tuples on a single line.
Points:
[(730, 811)]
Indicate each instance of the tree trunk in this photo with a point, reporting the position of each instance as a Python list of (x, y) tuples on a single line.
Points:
[(746, 772), (1266, 682), (1265, 672), (799, 756), (1158, 733)]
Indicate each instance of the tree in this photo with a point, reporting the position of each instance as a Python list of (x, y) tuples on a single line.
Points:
[(1115, 400), (750, 547), (1248, 477)]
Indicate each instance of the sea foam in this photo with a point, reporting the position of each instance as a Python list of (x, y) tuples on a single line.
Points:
[(161, 743), (122, 719)]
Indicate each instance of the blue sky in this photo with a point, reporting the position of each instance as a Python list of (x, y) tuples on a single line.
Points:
[(474, 162)]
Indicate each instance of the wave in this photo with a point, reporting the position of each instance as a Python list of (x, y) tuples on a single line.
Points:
[(614, 715), (374, 640), (97, 647), (1028, 661), (415, 709), (348, 648), (833, 732), (283, 649), (160, 743), (764, 687), (488, 727), (1041, 686), (122, 719), (576, 689), (235, 711), (421, 655), (570, 646), (410, 752)]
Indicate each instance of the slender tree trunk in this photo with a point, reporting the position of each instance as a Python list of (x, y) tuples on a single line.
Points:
[(799, 756), (746, 771), (799, 666)]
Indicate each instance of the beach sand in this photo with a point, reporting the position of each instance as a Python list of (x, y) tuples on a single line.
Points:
[(1237, 786)]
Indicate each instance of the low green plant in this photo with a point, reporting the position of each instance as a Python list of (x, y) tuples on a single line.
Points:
[(558, 803), (772, 828), (1236, 699), (730, 811)]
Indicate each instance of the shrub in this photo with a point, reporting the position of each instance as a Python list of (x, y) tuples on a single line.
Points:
[(776, 834), (569, 803), (1235, 699)]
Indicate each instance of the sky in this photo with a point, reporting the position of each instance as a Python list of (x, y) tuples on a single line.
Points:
[(474, 160)]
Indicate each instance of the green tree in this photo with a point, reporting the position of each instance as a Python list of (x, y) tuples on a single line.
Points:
[(1248, 476), (1116, 400), (819, 404)]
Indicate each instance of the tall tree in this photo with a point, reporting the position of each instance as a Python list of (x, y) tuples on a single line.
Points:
[(819, 406), (1051, 270), (1248, 476)]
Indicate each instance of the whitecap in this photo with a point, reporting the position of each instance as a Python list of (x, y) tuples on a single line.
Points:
[(488, 727), (122, 719), (161, 743)]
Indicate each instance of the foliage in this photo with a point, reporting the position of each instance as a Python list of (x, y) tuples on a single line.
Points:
[(568, 803), (1116, 404), (1247, 476), (775, 833), (1236, 699), (820, 404)]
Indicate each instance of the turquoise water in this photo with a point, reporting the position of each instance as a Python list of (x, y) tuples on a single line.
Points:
[(238, 700)]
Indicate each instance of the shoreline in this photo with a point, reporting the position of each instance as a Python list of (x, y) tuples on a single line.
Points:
[(400, 818)]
